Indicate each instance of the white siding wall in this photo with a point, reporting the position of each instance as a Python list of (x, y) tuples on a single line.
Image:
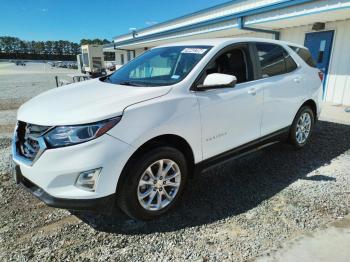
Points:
[(125, 53), (118, 58), (338, 90), (277, 18)]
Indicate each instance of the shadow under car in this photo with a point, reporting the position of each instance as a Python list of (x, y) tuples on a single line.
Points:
[(237, 186)]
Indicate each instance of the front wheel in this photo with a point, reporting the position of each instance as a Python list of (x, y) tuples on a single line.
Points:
[(153, 184), (302, 126)]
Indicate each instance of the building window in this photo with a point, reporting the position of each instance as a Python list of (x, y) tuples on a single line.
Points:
[(109, 56), (122, 59)]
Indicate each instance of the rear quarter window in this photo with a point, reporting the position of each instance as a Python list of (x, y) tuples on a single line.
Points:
[(304, 54)]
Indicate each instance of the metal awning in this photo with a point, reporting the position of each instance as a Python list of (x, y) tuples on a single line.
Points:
[(263, 19)]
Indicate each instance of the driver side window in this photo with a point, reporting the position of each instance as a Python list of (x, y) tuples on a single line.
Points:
[(235, 61)]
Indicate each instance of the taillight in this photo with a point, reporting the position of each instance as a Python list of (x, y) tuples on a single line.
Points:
[(321, 75)]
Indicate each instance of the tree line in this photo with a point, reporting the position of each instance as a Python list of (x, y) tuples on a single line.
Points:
[(95, 41), (15, 48)]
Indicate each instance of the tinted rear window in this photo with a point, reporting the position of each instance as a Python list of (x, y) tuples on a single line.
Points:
[(271, 59), (305, 55), (274, 60)]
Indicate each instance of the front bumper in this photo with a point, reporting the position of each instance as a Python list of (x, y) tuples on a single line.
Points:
[(55, 172), (97, 204)]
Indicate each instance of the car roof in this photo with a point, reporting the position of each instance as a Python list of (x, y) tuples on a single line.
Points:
[(226, 41)]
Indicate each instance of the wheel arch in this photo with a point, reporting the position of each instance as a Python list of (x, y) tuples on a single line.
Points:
[(312, 104), (172, 140)]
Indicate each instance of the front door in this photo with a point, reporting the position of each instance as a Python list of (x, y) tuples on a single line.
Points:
[(230, 116), (320, 46)]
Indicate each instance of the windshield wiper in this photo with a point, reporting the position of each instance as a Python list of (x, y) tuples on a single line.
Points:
[(106, 78), (128, 83)]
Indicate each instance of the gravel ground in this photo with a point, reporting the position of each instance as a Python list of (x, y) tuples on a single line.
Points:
[(237, 211)]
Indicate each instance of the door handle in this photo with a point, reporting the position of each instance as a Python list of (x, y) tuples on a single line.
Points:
[(252, 91)]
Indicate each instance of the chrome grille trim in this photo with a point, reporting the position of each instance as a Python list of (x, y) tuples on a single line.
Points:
[(28, 143)]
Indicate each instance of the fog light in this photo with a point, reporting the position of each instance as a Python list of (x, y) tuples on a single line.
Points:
[(87, 180)]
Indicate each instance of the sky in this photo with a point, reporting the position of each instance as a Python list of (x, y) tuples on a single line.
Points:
[(73, 20)]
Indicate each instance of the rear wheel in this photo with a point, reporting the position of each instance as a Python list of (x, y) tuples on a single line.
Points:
[(153, 184), (302, 126)]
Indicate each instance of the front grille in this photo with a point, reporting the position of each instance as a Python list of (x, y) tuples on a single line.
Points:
[(28, 136)]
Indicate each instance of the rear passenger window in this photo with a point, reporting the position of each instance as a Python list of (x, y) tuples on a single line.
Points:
[(305, 55), (274, 60), (271, 59)]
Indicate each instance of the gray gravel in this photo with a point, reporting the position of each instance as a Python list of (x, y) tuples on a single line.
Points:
[(236, 211)]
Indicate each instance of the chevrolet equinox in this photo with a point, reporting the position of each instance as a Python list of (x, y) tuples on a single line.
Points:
[(136, 136)]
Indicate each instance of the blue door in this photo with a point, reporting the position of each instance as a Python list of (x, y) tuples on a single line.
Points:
[(320, 46)]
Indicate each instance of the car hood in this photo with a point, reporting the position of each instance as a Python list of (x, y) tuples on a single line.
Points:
[(84, 102)]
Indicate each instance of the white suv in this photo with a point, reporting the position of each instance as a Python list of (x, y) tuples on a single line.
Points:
[(136, 136)]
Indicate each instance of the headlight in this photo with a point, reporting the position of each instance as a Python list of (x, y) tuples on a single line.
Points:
[(71, 135)]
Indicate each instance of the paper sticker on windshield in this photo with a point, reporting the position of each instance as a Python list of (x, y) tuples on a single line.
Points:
[(175, 77), (194, 51)]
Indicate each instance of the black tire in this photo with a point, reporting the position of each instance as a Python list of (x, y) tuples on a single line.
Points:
[(127, 198), (293, 130)]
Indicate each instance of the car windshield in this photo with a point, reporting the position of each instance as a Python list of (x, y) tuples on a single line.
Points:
[(159, 66)]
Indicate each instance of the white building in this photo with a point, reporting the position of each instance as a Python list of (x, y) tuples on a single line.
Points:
[(322, 26)]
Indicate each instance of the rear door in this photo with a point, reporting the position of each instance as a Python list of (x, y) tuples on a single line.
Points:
[(282, 83)]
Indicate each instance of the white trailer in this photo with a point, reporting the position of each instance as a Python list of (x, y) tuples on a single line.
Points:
[(92, 60)]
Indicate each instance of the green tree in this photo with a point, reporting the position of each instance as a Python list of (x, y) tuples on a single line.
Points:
[(14, 45), (95, 41), (48, 47), (23, 46)]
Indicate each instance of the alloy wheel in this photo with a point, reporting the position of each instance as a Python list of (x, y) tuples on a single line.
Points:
[(303, 128), (159, 184)]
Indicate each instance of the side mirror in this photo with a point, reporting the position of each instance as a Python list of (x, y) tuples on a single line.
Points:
[(217, 80)]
